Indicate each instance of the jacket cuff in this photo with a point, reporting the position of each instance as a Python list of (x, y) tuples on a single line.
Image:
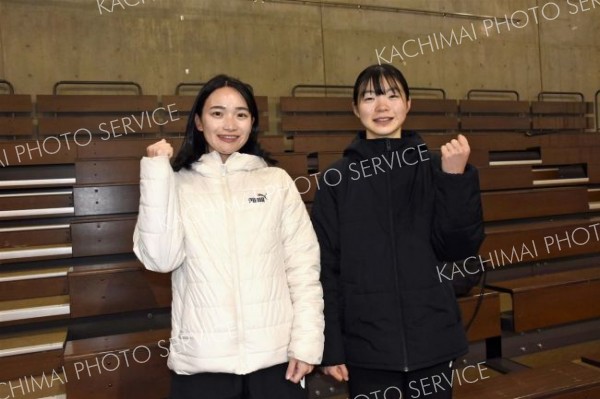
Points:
[(334, 353), (460, 196), (155, 167)]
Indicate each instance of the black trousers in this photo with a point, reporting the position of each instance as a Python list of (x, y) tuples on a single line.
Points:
[(269, 383), (430, 383)]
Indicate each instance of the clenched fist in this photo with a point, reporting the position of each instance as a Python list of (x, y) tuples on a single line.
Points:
[(455, 155), (159, 148)]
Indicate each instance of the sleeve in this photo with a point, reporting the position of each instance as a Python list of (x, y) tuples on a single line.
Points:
[(158, 235), (302, 263), (458, 229), (326, 224)]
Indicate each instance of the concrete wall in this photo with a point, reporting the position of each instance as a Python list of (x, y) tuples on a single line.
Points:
[(275, 46)]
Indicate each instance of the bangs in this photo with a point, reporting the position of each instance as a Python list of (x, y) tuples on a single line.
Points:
[(378, 85), (376, 78)]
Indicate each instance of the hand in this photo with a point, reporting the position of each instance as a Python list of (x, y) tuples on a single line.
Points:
[(455, 155), (339, 372), (159, 148), (297, 369)]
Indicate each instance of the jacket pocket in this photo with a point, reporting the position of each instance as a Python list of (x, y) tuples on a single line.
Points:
[(430, 308)]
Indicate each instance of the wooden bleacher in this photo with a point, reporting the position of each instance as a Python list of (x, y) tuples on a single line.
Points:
[(69, 284), (114, 366)]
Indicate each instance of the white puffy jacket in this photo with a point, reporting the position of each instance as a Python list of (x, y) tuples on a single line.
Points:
[(245, 263)]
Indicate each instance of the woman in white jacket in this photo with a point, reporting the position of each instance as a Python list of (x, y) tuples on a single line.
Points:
[(247, 311)]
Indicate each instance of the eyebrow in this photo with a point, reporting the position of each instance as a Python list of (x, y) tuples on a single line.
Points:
[(223, 107), (391, 89)]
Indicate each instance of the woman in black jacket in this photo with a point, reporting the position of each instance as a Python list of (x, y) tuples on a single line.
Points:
[(386, 214)]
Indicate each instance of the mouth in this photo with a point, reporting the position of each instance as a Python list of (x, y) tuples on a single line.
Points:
[(228, 138), (383, 119)]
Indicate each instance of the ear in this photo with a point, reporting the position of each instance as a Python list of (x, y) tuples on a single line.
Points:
[(355, 110), (198, 122), (408, 105)]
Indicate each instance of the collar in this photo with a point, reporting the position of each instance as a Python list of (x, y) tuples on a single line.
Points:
[(211, 165)]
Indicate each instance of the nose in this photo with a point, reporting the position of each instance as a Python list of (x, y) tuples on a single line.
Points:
[(381, 103), (229, 123)]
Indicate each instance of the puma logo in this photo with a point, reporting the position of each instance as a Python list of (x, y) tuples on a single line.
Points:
[(259, 198)]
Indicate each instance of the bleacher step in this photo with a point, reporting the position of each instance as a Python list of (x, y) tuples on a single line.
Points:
[(34, 308)]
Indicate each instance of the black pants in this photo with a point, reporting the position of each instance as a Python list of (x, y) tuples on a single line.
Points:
[(269, 383), (429, 383)]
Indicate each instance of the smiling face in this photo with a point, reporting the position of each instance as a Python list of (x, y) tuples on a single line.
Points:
[(382, 112), (226, 121)]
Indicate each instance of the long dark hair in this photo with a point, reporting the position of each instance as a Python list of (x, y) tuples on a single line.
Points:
[(376, 75), (194, 143)]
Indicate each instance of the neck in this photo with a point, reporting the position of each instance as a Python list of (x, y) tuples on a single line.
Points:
[(395, 135)]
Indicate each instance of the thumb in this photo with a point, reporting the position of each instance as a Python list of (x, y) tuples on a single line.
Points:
[(290, 369)]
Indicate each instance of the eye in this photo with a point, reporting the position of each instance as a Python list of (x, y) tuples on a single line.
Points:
[(243, 115), (368, 98), (216, 114)]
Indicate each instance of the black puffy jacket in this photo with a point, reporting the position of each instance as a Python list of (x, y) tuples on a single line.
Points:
[(386, 215)]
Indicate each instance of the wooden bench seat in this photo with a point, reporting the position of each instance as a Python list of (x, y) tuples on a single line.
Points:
[(553, 299), (44, 252), (22, 311), (306, 115), (542, 239), (565, 380), (122, 147), (581, 154), (15, 154), (16, 119), (39, 203), (31, 353), (531, 176), (273, 143), (439, 115), (521, 204), (59, 114), (34, 235), (89, 362), (487, 321), (553, 116), (502, 115), (33, 283), (31, 242), (37, 176), (317, 143), (117, 287), (296, 164), (514, 141)]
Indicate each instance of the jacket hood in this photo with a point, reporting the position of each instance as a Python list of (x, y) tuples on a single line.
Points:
[(211, 165), (362, 148)]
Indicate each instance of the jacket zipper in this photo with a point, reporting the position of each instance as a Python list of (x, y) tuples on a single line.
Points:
[(235, 269), (395, 262)]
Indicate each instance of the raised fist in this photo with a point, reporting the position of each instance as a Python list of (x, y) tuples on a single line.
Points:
[(455, 155), (159, 148)]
